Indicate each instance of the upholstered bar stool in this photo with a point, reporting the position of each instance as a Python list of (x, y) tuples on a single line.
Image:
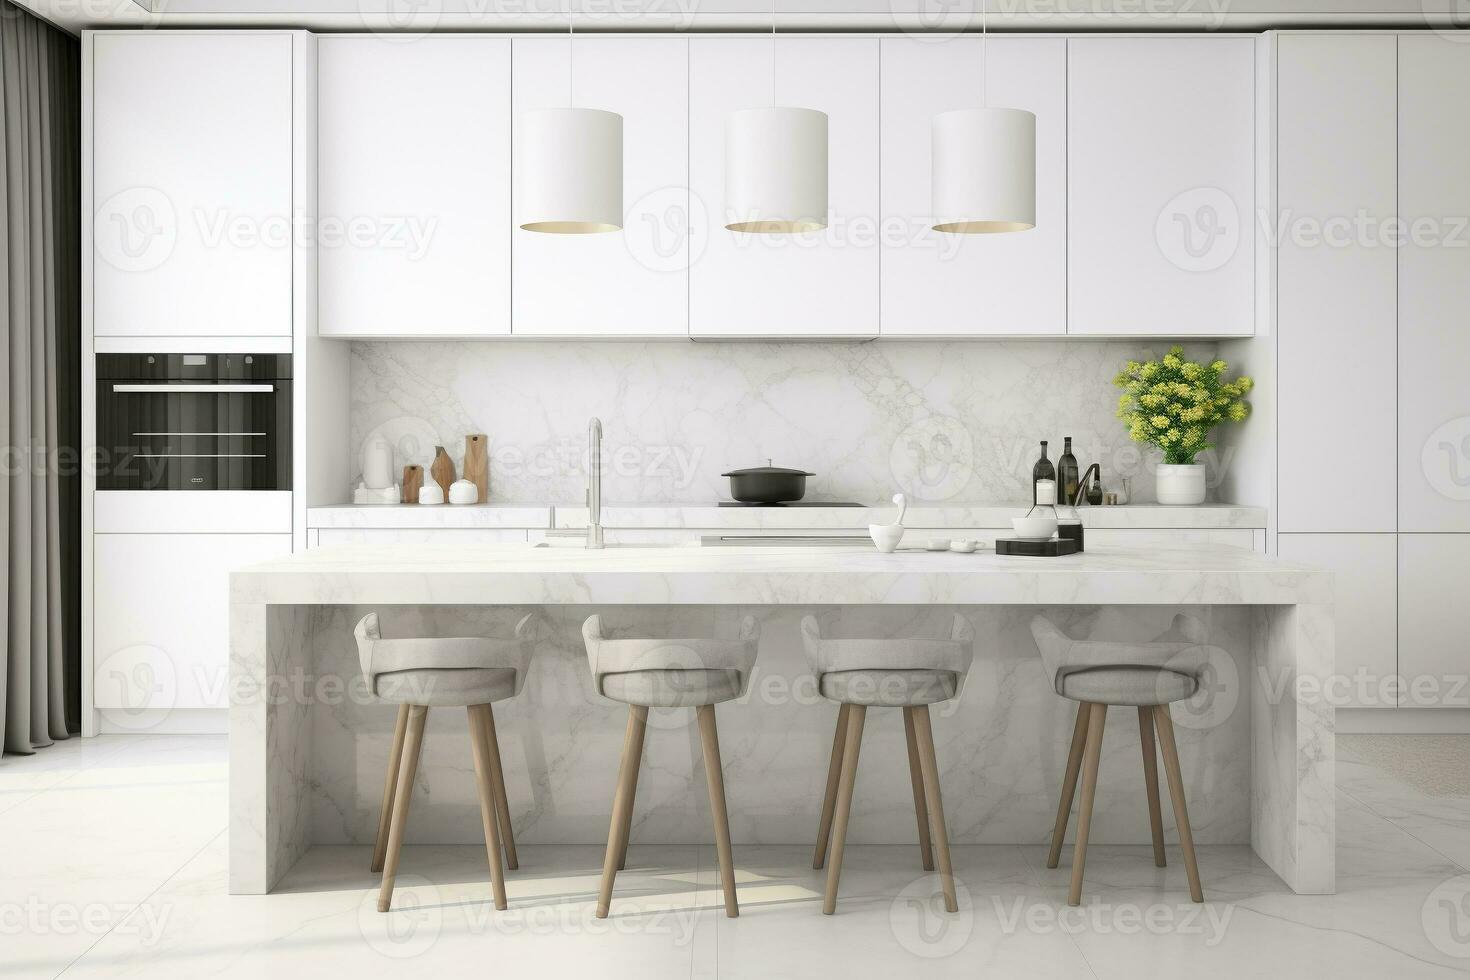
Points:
[(1148, 676), (905, 673), (655, 673), (458, 672)]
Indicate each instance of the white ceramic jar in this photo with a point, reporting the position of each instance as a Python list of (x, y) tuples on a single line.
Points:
[(1181, 483)]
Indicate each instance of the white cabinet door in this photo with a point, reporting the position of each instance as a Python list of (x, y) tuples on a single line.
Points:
[(1434, 286), (191, 170), (633, 283), (1336, 303), (161, 628), (971, 285), (447, 536), (1109, 537), (1160, 185), (1434, 652), (414, 186), (822, 283), (1365, 567)]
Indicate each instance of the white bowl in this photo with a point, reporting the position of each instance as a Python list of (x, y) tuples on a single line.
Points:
[(937, 544), (886, 536), (964, 546), (1034, 528)]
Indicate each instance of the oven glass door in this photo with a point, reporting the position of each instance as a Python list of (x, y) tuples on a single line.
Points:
[(194, 435)]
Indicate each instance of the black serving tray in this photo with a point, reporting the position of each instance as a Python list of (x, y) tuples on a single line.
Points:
[(1054, 548)]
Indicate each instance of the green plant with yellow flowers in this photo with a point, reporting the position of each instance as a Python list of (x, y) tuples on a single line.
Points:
[(1174, 403)]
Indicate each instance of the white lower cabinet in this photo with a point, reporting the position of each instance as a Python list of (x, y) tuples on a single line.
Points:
[(1170, 537), (329, 536), (162, 618), (1434, 654), (1365, 569)]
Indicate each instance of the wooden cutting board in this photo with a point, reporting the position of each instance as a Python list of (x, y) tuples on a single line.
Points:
[(413, 481), (477, 463), (442, 469)]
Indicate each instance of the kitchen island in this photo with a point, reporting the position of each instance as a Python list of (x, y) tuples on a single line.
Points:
[(308, 745)]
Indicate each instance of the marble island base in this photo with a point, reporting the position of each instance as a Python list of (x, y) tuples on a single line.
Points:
[(309, 745)]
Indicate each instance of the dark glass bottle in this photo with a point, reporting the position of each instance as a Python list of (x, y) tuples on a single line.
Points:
[(1043, 470), (1095, 489), (1067, 474)]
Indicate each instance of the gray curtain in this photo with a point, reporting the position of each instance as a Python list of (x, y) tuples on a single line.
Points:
[(39, 409)]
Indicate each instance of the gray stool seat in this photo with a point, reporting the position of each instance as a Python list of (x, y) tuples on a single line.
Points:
[(448, 687), (889, 688), (1127, 685), (672, 688)]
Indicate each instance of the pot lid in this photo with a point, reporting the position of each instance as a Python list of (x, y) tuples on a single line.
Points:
[(768, 470)]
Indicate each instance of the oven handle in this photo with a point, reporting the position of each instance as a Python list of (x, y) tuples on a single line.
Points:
[(191, 389)]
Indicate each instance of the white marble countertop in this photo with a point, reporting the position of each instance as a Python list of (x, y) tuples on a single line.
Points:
[(806, 575), (710, 517)]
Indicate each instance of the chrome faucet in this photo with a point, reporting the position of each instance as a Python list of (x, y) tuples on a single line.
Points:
[(594, 484)]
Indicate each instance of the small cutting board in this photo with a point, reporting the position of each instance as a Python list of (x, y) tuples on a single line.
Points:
[(477, 463)]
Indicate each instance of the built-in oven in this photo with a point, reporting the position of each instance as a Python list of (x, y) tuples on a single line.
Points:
[(194, 421)]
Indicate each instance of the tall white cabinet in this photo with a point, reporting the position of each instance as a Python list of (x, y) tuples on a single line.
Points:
[(413, 183), (822, 283), (192, 206), (935, 284), (1160, 186), (623, 284)]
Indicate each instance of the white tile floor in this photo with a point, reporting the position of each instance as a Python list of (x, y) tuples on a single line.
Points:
[(113, 852)]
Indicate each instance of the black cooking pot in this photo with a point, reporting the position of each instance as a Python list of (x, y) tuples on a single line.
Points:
[(767, 484)]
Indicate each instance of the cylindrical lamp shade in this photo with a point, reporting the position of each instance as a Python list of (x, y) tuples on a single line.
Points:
[(571, 173), (984, 176), (776, 170)]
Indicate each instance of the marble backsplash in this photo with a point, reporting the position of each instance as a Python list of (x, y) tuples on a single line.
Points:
[(956, 422)]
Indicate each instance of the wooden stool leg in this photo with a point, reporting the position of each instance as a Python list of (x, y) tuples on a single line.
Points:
[(390, 783), (714, 775), (829, 799), (1069, 785), (1097, 718), (1151, 781), (1165, 725), (854, 740), (635, 753), (916, 779), (480, 722), (622, 810), (497, 786), (924, 733), (413, 742)]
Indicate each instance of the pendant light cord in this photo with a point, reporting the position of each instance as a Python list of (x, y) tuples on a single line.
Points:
[(571, 43), (773, 53), (984, 58)]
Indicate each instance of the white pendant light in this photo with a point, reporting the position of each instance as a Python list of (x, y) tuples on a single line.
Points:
[(984, 166), (776, 166), (571, 167)]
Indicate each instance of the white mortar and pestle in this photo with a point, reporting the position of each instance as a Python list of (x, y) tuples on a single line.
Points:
[(887, 536)]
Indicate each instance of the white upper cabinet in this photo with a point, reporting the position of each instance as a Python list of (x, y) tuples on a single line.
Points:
[(1161, 202), (191, 184), (1336, 285), (629, 283), (822, 283), (1434, 286), (414, 186), (937, 284)]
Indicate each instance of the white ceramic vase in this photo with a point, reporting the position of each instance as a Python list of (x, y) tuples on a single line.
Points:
[(1181, 483)]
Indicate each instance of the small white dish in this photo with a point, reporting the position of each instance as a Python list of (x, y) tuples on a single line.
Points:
[(886, 536), (964, 547), (463, 492), (1034, 528), (937, 544), (431, 494)]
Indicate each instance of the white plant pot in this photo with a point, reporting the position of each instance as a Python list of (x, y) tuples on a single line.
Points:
[(1181, 483)]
